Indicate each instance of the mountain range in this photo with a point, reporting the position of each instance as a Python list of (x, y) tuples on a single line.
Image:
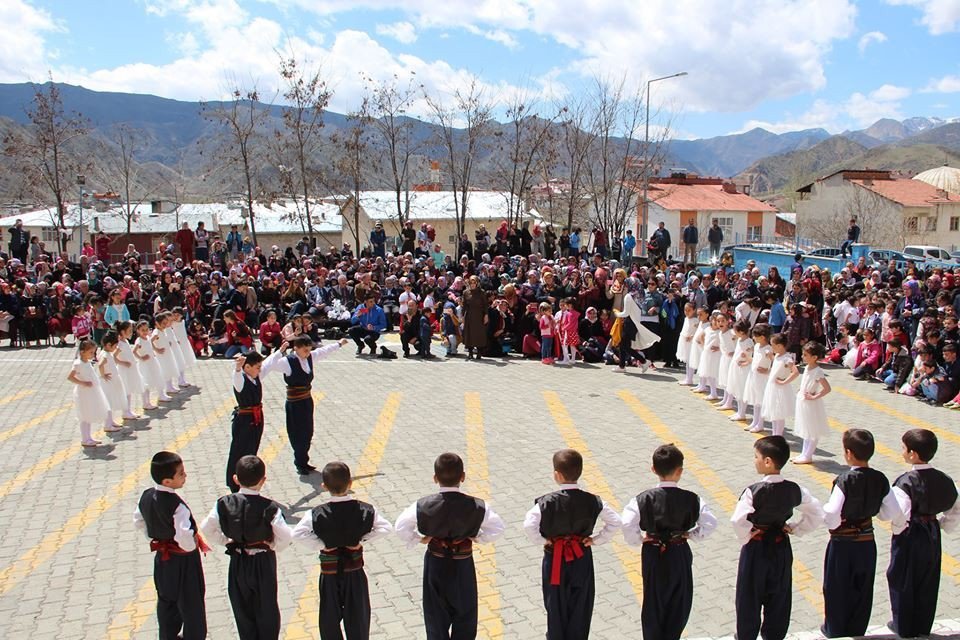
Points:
[(176, 141)]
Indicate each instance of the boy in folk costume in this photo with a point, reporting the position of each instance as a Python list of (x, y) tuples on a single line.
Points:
[(563, 522), (252, 528), (177, 570), (247, 423), (449, 522), (298, 372)]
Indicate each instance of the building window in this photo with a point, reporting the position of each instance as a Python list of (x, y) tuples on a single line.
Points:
[(754, 233), (912, 224), (48, 234), (955, 223), (932, 223), (726, 224)]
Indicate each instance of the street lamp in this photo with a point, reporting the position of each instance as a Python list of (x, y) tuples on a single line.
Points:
[(646, 174), (81, 180)]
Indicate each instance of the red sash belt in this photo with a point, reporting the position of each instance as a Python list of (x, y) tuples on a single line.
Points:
[(775, 533), (856, 531), (340, 560), (459, 549), (298, 393), (664, 541), (256, 411), (167, 547), (565, 549)]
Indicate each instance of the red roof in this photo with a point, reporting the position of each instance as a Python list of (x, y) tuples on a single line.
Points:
[(703, 197), (907, 192)]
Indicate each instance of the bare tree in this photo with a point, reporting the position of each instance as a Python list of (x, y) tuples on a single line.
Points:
[(573, 146), (881, 223), (244, 116), (126, 172), (45, 153), (472, 110), (351, 162), (307, 96)]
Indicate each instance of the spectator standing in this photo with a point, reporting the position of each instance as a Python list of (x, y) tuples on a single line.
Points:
[(19, 241), (715, 238), (234, 241), (103, 247), (690, 238), (378, 240), (662, 239), (185, 241), (627, 246), (201, 243)]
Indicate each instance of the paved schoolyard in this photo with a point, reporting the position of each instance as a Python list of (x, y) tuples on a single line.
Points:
[(72, 566)]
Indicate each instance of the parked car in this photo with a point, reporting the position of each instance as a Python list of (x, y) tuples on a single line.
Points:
[(924, 252), (825, 252), (885, 256), (955, 255)]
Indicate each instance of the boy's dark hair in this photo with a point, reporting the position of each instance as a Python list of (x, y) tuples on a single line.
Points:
[(761, 329), (110, 337), (921, 441), (950, 346), (164, 466), (815, 349), (569, 464), (742, 326), (250, 471), (667, 458), (301, 341), (336, 477), (775, 448), (251, 358), (448, 467), (859, 442), (895, 343)]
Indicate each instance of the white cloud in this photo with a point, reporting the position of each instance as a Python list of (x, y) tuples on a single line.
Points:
[(939, 16), (869, 38), (946, 84), (403, 32), (23, 49)]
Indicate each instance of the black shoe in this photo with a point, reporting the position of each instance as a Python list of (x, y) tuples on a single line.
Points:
[(303, 472), (406, 354), (372, 346), (360, 350), (309, 467)]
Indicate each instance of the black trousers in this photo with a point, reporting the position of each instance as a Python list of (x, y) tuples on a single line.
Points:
[(764, 588), (914, 578), (361, 334), (345, 598), (656, 351), (300, 429), (667, 590), (180, 594), (848, 571), (252, 587), (245, 441), (449, 598), (569, 605)]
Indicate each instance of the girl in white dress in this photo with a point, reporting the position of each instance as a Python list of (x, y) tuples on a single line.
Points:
[(696, 347), (759, 372), (180, 330), (111, 381), (709, 366), (173, 346), (129, 371), (740, 369), (811, 415), (88, 396), (728, 344), (778, 398), (685, 343), (168, 363), (149, 366)]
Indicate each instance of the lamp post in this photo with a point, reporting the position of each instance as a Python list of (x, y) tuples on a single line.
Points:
[(81, 180), (644, 206)]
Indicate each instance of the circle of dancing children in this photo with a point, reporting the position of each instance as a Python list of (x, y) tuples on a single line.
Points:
[(122, 374), (661, 521)]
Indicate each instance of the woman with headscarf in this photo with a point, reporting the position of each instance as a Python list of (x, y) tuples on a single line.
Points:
[(634, 337), (910, 308), (617, 289), (474, 319)]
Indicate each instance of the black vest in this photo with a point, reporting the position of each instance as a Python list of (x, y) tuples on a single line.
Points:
[(863, 492), (774, 502), (157, 509), (450, 515), (568, 512), (931, 491), (251, 395), (246, 519), (666, 511), (298, 377), (342, 524)]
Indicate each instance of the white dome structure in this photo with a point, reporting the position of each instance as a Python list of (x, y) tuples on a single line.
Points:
[(946, 178)]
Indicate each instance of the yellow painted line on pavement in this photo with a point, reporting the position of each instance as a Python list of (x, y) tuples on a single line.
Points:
[(303, 625), (899, 415), (26, 564), (33, 422), (490, 621), (803, 579), (17, 396), (593, 477)]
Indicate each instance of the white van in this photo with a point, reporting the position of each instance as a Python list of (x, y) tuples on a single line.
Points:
[(924, 252)]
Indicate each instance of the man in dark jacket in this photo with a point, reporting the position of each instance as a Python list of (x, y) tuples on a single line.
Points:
[(690, 238), (715, 238), (662, 239), (853, 236), (19, 241)]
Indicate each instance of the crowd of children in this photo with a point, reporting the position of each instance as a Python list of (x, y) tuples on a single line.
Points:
[(661, 520)]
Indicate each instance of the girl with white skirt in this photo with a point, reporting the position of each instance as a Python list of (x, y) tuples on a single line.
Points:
[(88, 398), (149, 364), (180, 331), (161, 347), (685, 343), (129, 370), (759, 372), (778, 397), (709, 367), (111, 381), (696, 347), (740, 369), (811, 414), (173, 345), (728, 344)]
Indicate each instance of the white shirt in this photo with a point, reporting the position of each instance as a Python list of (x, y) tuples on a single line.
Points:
[(633, 534), (282, 533), (491, 528), (889, 509), (238, 377), (609, 518), (807, 517), (303, 533), (183, 533), (278, 360), (948, 519)]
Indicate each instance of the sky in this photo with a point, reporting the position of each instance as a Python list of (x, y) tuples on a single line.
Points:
[(782, 65)]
